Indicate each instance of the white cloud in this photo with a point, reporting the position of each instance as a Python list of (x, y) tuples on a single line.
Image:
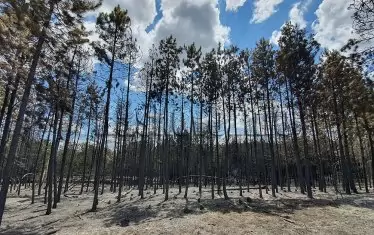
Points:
[(275, 37), (141, 18), (296, 16), (234, 5), (191, 21), (297, 12), (263, 9), (143, 15), (333, 26), (188, 20)]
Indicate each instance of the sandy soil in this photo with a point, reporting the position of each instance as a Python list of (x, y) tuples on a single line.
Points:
[(289, 213)]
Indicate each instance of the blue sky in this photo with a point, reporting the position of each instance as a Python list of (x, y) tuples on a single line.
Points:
[(238, 22), (245, 34)]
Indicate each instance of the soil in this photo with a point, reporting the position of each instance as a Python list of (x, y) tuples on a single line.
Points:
[(288, 213)]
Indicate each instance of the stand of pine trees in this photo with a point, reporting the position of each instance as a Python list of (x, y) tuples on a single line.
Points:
[(259, 119)]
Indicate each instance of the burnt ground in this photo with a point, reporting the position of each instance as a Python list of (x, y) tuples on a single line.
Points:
[(288, 213)]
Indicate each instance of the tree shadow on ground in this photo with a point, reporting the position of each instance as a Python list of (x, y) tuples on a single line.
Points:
[(141, 211), (133, 210), (21, 231), (16, 232), (357, 200)]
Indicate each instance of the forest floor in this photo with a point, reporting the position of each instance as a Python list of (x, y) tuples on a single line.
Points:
[(288, 213)]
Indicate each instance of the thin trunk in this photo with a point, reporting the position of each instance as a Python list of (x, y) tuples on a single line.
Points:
[(51, 161), (5, 103), (201, 145), (44, 159), (182, 150), (72, 157), (37, 159), (227, 139), (371, 144), (144, 136), (190, 147), (86, 148), (271, 137), (346, 150), (254, 129), (294, 134), (218, 164), (54, 157), (22, 110), (211, 148), (341, 149), (7, 124), (124, 148), (284, 123), (306, 148), (362, 152), (68, 132), (237, 156), (247, 154), (105, 128)]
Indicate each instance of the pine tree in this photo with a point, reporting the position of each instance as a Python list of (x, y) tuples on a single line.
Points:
[(295, 60), (113, 29), (167, 65), (262, 68), (193, 75), (39, 12)]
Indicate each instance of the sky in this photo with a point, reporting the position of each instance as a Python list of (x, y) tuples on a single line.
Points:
[(238, 22)]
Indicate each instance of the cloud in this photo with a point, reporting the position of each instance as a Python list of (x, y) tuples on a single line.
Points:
[(275, 37), (297, 12), (141, 18), (333, 26), (187, 20), (296, 16), (234, 5), (143, 15), (263, 9), (191, 21)]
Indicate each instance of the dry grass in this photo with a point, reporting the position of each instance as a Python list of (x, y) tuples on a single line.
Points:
[(289, 213)]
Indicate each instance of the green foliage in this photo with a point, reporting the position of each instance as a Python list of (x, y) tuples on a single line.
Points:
[(113, 28)]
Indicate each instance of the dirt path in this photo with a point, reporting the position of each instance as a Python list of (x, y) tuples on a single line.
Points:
[(289, 213)]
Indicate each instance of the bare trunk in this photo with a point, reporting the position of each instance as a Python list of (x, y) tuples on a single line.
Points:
[(362, 152)]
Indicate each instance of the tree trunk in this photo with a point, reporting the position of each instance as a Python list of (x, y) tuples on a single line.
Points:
[(295, 141), (21, 113), (341, 149), (51, 161), (105, 128), (7, 123), (75, 145), (371, 144), (227, 139), (284, 124), (143, 140), (68, 132), (37, 159), (362, 152), (211, 148), (5, 103), (54, 158), (124, 149), (86, 149), (271, 137), (306, 148), (201, 145)]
